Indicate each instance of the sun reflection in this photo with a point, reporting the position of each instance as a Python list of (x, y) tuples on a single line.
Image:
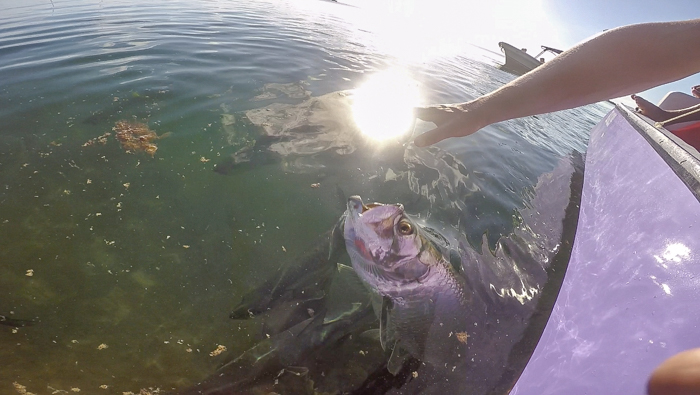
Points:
[(383, 105), (674, 252), (418, 31)]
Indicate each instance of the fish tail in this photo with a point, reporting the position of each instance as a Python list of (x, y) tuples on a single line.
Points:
[(4, 320)]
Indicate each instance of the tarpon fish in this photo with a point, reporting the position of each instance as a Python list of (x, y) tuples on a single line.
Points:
[(466, 314), (408, 271), (452, 318), (5, 320)]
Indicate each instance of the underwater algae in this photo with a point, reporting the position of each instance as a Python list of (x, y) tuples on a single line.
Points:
[(132, 136), (135, 136)]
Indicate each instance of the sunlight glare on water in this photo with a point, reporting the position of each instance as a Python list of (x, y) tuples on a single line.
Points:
[(383, 105), (131, 263), (412, 30)]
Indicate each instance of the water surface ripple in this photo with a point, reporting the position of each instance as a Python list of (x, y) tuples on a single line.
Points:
[(131, 263)]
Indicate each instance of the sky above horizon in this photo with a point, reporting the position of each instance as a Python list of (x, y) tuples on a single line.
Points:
[(576, 20), (415, 29)]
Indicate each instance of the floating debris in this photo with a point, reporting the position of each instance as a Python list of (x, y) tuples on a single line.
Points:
[(29, 273), (316, 185), (21, 389), (219, 349), (100, 139), (102, 346), (462, 337), (136, 136)]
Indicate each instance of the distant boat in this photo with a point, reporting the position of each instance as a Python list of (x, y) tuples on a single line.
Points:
[(519, 62)]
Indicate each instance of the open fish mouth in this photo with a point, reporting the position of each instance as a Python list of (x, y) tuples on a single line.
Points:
[(362, 232), (356, 206), (370, 206), (383, 241)]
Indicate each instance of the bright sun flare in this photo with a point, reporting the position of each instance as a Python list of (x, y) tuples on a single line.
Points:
[(383, 106)]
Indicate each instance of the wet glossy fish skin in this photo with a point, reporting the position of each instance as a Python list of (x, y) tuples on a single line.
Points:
[(405, 267)]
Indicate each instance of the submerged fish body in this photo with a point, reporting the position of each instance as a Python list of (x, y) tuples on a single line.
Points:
[(463, 319), (452, 318), (5, 320), (420, 296)]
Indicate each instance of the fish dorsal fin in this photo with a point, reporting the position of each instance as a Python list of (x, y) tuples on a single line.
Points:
[(372, 334), (337, 241), (456, 260), (333, 316), (349, 279), (397, 358), (298, 371), (347, 295), (351, 285), (386, 331), (344, 269)]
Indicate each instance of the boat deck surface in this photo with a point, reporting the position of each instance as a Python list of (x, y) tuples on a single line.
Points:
[(629, 297)]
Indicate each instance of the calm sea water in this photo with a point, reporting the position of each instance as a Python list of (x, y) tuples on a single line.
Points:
[(136, 261)]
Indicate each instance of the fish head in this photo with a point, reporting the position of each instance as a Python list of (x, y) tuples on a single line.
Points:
[(385, 244)]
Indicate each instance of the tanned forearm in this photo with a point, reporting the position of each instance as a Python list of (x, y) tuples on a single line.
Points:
[(619, 62)]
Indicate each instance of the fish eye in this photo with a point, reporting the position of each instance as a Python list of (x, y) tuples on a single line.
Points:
[(405, 227)]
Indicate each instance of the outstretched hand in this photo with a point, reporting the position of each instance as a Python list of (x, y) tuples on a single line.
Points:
[(452, 120)]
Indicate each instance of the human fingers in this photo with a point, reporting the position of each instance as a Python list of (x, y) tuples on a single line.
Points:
[(678, 374), (435, 114), (438, 134)]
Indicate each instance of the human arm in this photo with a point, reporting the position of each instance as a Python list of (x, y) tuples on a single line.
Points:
[(618, 62), (678, 375)]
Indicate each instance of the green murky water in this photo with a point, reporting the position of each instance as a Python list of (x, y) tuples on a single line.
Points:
[(131, 263)]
